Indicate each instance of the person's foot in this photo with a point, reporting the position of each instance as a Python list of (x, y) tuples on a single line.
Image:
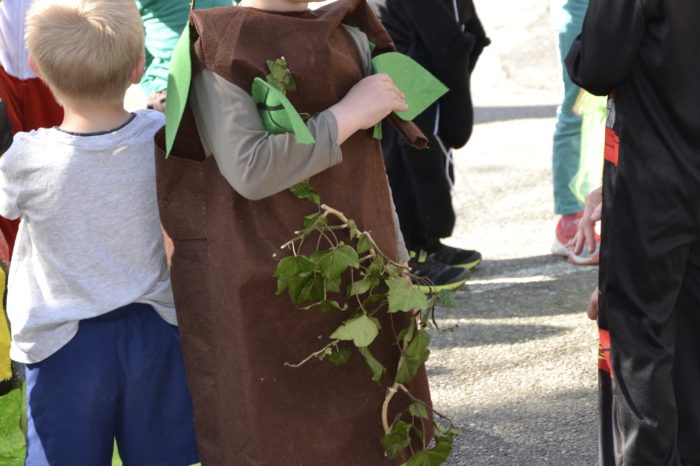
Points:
[(432, 276), (456, 257)]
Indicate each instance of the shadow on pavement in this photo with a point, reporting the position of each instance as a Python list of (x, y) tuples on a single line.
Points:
[(478, 334), (494, 114)]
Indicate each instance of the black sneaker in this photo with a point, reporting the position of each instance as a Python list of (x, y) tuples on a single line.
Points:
[(455, 257), (432, 276)]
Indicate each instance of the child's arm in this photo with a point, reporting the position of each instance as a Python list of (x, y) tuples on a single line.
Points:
[(10, 182), (608, 46), (258, 164)]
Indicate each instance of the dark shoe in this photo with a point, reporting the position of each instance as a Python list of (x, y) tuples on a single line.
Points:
[(455, 257), (432, 276)]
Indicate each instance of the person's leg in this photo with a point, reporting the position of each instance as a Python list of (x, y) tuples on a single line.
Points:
[(686, 364), (155, 425), (72, 401), (567, 134)]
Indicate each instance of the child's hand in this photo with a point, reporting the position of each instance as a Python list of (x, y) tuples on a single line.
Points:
[(366, 104), (585, 234), (592, 310)]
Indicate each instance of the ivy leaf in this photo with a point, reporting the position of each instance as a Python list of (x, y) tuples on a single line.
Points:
[(312, 290), (404, 296), (304, 190), (397, 440), (434, 456), (395, 270), (290, 271), (407, 333), (280, 76), (362, 330), (415, 355), (333, 284), (330, 306), (315, 220), (335, 355), (447, 299), (374, 366), (364, 244), (418, 410), (333, 262), (360, 287)]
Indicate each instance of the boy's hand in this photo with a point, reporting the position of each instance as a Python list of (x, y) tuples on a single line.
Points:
[(366, 104), (585, 233)]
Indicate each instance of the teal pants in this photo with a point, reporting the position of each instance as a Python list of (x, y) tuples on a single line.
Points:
[(567, 19)]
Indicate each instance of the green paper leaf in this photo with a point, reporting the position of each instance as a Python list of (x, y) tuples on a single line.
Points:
[(421, 88), (418, 410), (179, 80), (404, 296), (278, 114), (397, 440), (434, 456), (415, 356), (377, 131), (362, 330), (304, 190), (375, 367)]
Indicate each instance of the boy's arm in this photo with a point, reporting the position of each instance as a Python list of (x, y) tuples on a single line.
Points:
[(10, 185), (608, 47), (256, 163)]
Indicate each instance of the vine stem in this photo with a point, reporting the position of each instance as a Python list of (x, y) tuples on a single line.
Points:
[(312, 355)]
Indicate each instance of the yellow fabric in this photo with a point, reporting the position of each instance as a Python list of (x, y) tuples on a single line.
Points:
[(5, 368)]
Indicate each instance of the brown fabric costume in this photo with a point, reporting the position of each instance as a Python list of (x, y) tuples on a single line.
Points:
[(250, 409)]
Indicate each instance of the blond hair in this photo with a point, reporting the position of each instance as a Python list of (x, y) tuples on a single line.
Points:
[(85, 50)]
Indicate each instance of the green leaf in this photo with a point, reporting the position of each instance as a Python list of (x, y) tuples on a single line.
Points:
[(415, 356), (179, 80), (290, 272), (277, 113), (313, 290), (377, 131), (333, 284), (304, 190), (395, 270), (362, 330), (404, 296), (434, 456), (447, 299), (360, 287), (418, 410), (419, 86), (333, 262), (397, 440), (315, 220), (330, 306), (407, 334), (364, 244), (339, 356), (375, 367)]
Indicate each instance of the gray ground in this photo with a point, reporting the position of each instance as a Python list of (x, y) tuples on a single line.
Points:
[(518, 373)]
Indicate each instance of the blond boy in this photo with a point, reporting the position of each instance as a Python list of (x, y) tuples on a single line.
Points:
[(89, 295)]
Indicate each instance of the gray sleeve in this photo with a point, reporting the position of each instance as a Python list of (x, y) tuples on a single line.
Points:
[(11, 183), (256, 163)]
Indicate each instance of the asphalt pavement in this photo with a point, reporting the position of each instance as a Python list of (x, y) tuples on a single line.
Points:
[(515, 364)]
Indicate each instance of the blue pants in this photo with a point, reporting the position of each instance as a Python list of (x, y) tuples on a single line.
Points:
[(567, 19), (121, 376)]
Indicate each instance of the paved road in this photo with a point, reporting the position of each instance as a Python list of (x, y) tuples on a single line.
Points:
[(518, 369)]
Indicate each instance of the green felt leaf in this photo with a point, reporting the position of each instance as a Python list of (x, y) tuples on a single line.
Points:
[(404, 296), (397, 440), (377, 132), (415, 356), (304, 190), (434, 456), (179, 80), (421, 88), (375, 367), (278, 114), (333, 262), (12, 447), (362, 330), (418, 410)]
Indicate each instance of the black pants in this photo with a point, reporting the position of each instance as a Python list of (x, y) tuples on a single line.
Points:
[(650, 312), (421, 191)]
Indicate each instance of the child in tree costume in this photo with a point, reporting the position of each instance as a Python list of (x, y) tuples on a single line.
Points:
[(237, 333)]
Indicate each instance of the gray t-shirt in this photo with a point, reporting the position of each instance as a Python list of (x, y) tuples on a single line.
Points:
[(89, 240)]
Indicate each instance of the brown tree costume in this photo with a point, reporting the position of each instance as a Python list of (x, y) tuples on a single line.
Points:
[(251, 409)]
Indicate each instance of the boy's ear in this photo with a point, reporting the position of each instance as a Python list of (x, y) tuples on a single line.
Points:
[(137, 70), (32, 65)]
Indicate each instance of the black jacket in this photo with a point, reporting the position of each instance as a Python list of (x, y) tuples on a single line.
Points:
[(446, 37)]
